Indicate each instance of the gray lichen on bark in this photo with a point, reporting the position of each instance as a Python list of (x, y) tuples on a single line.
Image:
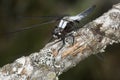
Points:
[(48, 63)]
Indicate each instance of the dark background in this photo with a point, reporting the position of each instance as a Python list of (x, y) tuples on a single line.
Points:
[(13, 46)]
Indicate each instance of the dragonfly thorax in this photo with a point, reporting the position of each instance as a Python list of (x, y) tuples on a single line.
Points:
[(63, 28), (59, 30), (67, 19)]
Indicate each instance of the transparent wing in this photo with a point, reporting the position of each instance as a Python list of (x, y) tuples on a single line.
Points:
[(86, 12), (32, 26), (52, 20), (40, 17)]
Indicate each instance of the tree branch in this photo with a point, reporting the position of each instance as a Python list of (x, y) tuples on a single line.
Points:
[(48, 63)]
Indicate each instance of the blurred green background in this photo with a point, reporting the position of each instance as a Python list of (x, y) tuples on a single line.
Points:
[(13, 46)]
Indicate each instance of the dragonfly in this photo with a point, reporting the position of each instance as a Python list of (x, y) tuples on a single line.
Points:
[(66, 25)]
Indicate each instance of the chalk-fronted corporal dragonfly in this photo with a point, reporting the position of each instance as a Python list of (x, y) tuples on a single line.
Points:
[(66, 25)]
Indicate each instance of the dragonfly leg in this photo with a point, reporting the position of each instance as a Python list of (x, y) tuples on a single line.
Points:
[(73, 38), (63, 41)]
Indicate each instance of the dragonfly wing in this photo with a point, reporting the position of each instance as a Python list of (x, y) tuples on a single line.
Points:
[(41, 17), (21, 18), (32, 26), (86, 12)]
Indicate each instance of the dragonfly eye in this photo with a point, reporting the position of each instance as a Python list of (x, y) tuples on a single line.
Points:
[(59, 33), (56, 30)]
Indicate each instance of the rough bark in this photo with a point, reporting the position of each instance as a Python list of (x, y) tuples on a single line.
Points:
[(48, 63)]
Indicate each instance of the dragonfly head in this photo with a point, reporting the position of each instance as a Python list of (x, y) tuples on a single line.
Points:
[(57, 33)]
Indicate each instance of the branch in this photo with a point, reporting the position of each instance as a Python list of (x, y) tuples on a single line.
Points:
[(48, 64)]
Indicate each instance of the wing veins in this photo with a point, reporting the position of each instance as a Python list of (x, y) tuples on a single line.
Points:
[(32, 26)]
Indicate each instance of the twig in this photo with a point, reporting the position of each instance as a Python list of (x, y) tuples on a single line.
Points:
[(48, 64)]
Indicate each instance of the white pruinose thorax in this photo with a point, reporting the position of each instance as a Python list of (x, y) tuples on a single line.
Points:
[(65, 20)]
